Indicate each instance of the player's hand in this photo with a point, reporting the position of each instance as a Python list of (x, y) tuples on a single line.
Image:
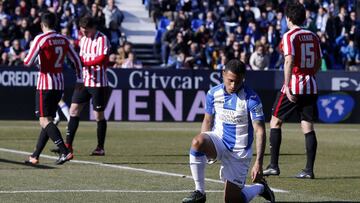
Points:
[(289, 95), (256, 172)]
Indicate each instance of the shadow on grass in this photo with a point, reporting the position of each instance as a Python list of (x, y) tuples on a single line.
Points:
[(29, 165), (286, 154), (337, 178)]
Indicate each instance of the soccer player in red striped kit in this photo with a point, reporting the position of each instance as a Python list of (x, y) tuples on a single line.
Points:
[(50, 49), (301, 49), (94, 48)]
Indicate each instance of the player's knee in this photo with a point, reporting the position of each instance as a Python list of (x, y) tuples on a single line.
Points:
[(275, 122), (74, 110), (99, 116), (198, 142)]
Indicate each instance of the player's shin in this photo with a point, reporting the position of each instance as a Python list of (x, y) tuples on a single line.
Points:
[(251, 191), (43, 138), (197, 166), (101, 133), (55, 135), (275, 142), (311, 146), (71, 130)]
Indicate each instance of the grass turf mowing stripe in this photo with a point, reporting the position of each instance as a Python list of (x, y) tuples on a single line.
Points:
[(125, 168)]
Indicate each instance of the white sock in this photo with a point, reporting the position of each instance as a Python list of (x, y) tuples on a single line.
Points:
[(197, 167), (57, 117), (251, 191), (65, 110)]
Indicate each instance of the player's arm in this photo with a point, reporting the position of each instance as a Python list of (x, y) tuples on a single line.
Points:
[(207, 122), (258, 123), (77, 64), (209, 113), (259, 130), (33, 53), (288, 65)]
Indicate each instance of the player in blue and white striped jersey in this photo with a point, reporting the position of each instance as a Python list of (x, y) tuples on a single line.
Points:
[(233, 114)]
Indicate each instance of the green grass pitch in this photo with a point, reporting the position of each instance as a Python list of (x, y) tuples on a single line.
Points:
[(162, 150)]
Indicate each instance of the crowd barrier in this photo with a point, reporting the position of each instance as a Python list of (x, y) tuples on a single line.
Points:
[(177, 95)]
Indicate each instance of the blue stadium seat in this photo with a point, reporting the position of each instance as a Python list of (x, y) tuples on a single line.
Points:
[(163, 23), (195, 24)]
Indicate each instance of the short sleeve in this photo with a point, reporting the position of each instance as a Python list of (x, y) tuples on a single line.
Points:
[(255, 108), (209, 106)]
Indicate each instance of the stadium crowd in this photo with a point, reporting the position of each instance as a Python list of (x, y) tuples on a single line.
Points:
[(200, 34), (20, 23), (192, 34)]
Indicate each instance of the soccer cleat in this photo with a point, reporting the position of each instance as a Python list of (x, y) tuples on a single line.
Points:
[(267, 194), (305, 174), (195, 197), (98, 152), (32, 161), (64, 158), (271, 171)]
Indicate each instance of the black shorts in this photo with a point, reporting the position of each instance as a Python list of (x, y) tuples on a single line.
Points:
[(46, 102), (305, 106), (97, 94)]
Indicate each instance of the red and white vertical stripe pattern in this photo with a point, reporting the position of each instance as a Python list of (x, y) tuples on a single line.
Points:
[(50, 50), (90, 48), (304, 46)]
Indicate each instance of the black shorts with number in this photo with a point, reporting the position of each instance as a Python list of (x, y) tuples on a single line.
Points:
[(46, 102), (305, 106), (97, 94)]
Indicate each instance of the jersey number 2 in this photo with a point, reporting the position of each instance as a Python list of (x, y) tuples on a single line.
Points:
[(59, 51), (307, 55)]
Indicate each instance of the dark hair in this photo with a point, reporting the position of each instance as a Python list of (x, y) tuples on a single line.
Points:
[(296, 13), (87, 22), (235, 66), (49, 20)]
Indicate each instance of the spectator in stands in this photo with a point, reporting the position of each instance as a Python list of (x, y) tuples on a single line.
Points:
[(4, 59), (196, 57), (166, 40), (350, 53), (112, 13), (25, 41), (247, 46), (131, 62), (115, 36), (232, 14), (321, 19), (259, 60), (220, 36), (16, 55)]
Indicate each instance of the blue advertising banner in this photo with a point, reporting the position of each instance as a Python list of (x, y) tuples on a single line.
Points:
[(176, 95)]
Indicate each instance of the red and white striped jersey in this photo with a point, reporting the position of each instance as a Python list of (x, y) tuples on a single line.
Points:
[(50, 50), (93, 54), (304, 46)]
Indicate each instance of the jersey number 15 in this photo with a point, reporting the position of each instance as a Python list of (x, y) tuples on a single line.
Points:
[(307, 55)]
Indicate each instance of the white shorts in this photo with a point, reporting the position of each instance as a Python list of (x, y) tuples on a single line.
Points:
[(233, 168)]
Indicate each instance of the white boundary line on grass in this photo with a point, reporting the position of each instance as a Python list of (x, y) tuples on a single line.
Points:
[(103, 191), (125, 168)]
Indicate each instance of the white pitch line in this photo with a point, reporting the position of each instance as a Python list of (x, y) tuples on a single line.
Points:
[(126, 168), (103, 191)]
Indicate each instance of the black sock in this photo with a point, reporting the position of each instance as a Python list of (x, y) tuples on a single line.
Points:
[(42, 140), (275, 142), (311, 146), (55, 135), (71, 130), (101, 133)]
